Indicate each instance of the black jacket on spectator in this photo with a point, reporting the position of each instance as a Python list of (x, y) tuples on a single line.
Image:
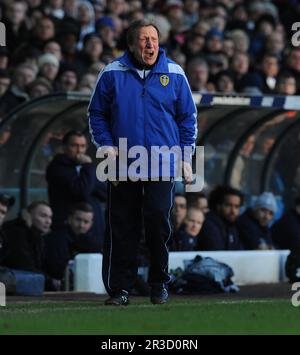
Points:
[(13, 39), (183, 241), (251, 233), (32, 48), (23, 247), (286, 231), (82, 63), (217, 234), (63, 245), (296, 74), (1, 246), (255, 79), (70, 183), (10, 100)]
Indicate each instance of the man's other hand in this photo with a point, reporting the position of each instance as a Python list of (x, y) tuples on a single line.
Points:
[(187, 172), (110, 152), (83, 159)]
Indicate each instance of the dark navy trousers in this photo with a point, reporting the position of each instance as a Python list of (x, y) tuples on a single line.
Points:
[(130, 207)]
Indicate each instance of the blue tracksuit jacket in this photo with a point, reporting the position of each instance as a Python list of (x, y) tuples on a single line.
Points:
[(153, 110)]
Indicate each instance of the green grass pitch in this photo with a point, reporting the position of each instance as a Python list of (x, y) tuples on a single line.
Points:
[(180, 316)]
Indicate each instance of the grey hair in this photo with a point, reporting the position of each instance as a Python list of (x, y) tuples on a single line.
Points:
[(135, 26)]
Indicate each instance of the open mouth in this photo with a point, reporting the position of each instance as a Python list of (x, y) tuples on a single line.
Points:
[(150, 54)]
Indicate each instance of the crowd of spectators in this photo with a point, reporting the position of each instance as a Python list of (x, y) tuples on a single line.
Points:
[(30, 242), (46, 236), (222, 222), (33, 243), (226, 46)]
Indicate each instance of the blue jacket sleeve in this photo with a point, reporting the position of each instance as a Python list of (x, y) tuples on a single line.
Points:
[(99, 111), (186, 117)]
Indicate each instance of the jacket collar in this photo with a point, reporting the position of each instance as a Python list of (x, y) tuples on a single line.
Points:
[(161, 65)]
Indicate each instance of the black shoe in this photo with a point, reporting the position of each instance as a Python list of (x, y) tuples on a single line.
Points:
[(121, 299), (159, 295)]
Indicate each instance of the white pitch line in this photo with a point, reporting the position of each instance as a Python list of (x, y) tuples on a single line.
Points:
[(102, 307)]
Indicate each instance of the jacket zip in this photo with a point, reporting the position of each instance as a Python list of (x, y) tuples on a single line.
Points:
[(144, 104)]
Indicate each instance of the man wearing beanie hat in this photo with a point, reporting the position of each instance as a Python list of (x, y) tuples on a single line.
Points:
[(48, 66), (105, 21), (266, 201), (47, 58), (254, 223)]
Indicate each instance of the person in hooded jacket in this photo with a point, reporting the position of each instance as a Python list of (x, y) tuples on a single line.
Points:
[(254, 223)]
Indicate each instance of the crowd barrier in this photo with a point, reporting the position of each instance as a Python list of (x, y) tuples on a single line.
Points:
[(250, 267)]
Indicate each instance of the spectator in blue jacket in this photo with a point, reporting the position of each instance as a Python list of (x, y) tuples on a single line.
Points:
[(254, 223), (71, 178), (286, 231), (219, 231), (144, 97), (75, 237)]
